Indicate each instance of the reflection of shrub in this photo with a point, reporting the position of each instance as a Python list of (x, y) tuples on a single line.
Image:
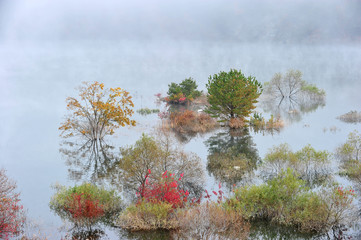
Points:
[(12, 216), (212, 221), (85, 205), (284, 200), (190, 122), (182, 93)]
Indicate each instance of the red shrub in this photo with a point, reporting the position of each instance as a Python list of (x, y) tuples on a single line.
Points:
[(82, 206), (12, 216), (165, 190)]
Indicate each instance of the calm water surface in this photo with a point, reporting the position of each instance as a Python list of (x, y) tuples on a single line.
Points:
[(35, 80)]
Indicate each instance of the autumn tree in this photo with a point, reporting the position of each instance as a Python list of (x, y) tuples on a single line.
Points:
[(159, 155), (232, 95), (98, 112)]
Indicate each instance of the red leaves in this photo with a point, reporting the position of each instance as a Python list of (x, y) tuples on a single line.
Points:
[(165, 190), (82, 206)]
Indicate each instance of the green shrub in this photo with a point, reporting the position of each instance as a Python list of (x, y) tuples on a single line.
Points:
[(349, 156), (86, 205), (285, 200)]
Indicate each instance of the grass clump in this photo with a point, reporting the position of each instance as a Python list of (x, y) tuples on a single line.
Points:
[(148, 216), (147, 111), (350, 117), (211, 220), (86, 205)]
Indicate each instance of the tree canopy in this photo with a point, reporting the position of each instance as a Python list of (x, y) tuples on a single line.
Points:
[(98, 112), (232, 95)]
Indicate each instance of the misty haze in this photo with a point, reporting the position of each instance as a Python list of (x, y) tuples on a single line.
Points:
[(234, 119)]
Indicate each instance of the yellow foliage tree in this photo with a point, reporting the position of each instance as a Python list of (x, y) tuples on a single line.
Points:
[(98, 112)]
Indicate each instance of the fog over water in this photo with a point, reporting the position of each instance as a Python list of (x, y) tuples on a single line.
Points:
[(48, 47)]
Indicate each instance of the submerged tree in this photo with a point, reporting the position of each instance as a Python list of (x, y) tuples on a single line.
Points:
[(232, 95), (98, 112), (289, 96)]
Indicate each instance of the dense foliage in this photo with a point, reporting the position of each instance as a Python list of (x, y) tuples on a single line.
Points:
[(184, 92), (86, 205), (232, 95), (98, 112)]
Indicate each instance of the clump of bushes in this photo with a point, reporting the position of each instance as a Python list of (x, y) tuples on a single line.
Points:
[(147, 111), (162, 204), (156, 206), (190, 122), (351, 117), (311, 165), (349, 156), (182, 93), (12, 215), (86, 205), (285, 200)]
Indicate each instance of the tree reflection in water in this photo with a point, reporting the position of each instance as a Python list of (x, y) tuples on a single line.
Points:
[(88, 160), (232, 156), (290, 108)]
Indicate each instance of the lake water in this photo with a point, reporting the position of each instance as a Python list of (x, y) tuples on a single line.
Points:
[(35, 80)]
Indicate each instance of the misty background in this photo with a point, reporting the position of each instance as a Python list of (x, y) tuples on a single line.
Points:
[(48, 47), (297, 21)]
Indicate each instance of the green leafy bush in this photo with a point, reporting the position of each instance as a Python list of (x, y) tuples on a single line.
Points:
[(285, 200), (86, 205), (184, 92)]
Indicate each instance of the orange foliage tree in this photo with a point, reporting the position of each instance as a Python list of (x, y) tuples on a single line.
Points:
[(98, 112)]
